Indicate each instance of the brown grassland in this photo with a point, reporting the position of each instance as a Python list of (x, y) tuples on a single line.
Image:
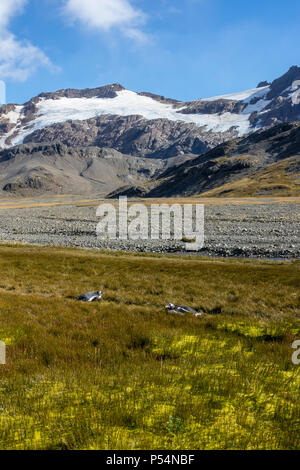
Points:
[(73, 200), (123, 374), (276, 180)]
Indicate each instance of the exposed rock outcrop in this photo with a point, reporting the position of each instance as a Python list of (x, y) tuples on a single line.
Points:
[(146, 124)]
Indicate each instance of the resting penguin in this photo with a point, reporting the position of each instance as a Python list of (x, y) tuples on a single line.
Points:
[(182, 309), (90, 296)]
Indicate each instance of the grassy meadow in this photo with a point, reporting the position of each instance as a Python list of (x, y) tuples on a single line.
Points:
[(123, 374)]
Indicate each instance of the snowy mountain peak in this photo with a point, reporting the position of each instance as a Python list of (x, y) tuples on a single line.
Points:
[(213, 120), (243, 95)]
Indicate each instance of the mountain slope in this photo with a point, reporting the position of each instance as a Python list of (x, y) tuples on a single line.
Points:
[(99, 140), (278, 179), (266, 162), (144, 124), (56, 168)]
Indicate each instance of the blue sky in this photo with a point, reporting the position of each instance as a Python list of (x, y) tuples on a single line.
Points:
[(185, 49)]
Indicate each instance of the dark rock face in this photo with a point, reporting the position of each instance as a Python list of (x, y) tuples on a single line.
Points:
[(280, 84), (279, 111), (230, 161), (263, 84), (281, 107), (159, 138), (220, 106), (129, 191), (108, 91), (163, 99)]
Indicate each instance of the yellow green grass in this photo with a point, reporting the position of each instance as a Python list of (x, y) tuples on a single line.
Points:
[(278, 180), (123, 374)]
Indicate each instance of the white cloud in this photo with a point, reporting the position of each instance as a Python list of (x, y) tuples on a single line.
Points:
[(7, 9), (18, 59), (107, 14)]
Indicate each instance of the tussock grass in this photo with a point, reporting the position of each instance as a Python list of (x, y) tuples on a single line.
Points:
[(123, 374)]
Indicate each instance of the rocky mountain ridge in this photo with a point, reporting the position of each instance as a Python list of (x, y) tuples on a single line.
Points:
[(103, 139), (149, 125)]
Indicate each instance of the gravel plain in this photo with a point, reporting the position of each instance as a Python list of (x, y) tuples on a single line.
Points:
[(231, 230)]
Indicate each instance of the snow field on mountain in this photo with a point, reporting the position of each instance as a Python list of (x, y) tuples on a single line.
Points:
[(128, 103)]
